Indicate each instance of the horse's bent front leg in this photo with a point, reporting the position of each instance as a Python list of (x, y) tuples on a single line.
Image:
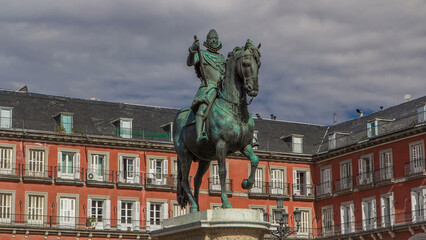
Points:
[(221, 151), (254, 160)]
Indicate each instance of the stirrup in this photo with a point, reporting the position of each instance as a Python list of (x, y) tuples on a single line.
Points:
[(203, 137)]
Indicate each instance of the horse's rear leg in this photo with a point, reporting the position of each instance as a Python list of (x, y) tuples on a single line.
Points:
[(203, 166), (254, 160), (186, 161), (221, 151)]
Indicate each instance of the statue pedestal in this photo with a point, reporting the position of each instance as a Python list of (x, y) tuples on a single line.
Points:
[(217, 224)]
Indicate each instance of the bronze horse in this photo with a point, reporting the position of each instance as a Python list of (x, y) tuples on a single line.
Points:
[(229, 125)]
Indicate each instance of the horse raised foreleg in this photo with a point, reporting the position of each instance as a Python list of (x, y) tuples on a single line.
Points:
[(254, 160), (221, 152), (203, 166)]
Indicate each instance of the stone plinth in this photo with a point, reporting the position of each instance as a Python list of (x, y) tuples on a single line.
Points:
[(217, 224)]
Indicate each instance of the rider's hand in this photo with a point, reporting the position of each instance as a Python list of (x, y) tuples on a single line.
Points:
[(195, 46)]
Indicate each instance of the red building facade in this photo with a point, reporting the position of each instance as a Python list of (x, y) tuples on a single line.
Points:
[(81, 169)]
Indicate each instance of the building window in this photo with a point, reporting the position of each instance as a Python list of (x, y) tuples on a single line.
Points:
[(332, 141), (6, 209), (255, 141), (258, 180), (386, 165), (373, 129), (67, 122), (388, 210), (128, 214), (68, 164), (100, 210), (37, 162), (177, 210), (347, 217), (302, 182), (124, 127), (345, 175), (326, 182), (418, 205), (67, 212), (369, 220), (365, 170), (297, 144), (36, 209), (5, 117), (7, 160), (156, 212), (305, 223), (129, 169), (417, 157), (98, 167), (157, 171), (421, 113), (214, 180), (277, 182), (272, 210), (327, 220)]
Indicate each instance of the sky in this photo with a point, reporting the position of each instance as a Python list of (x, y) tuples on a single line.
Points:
[(318, 57)]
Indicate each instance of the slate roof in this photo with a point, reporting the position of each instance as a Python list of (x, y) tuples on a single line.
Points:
[(37, 112)]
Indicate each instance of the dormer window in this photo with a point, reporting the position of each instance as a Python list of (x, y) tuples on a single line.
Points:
[(168, 127), (255, 142), (377, 126), (421, 113), (125, 127), (66, 122), (337, 139), (6, 117), (297, 143)]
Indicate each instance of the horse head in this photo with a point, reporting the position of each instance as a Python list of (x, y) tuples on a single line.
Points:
[(247, 67)]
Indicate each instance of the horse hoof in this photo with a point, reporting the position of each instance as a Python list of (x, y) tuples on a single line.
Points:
[(227, 205), (245, 184)]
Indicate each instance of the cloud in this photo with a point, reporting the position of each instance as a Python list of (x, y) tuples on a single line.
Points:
[(318, 57)]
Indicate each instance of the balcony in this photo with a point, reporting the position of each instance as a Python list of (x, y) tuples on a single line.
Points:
[(69, 176), (324, 189), (214, 186), (384, 175), (303, 192), (344, 185), (279, 189), (161, 182), (129, 180), (259, 190), (38, 173), (10, 174), (415, 168), (99, 178), (365, 180)]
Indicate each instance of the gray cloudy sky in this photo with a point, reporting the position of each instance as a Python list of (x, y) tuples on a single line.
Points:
[(318, 57)]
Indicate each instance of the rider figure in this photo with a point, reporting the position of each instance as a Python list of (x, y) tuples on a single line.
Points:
[(213, 70)]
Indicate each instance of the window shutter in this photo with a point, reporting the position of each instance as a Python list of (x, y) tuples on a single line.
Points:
[(89, 207), (137, 170), (374, 215), (148, 212), (165, 171), (342, 218), (136, 212), (424, 203), (296, 188), (413, 206), (151, 170), (364, 215), (119, 214), (392, 209), (352, 213), (383, 210), (165, 211), (120, 169), (308, 182), (59, 164), (107, 219), (77, 166), (61, 209)]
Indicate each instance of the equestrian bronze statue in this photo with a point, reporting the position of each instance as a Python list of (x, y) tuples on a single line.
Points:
[(227, 123)]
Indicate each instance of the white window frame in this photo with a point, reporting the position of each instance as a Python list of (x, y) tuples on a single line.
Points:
[(36, 167), (7, 206), (7, 159), (61, 117), (418, 204), (386, 164), (255, 139), (326, 180), (215, 206), (126, 132), (93, 165), (132, 173), (76, 164), (164, 213), (347, 207), (302, 188), (153, 176), (346, 182), (366, 175), (390, 211), (278, 185), (215, 178), (105, 221), (296, 146), (6, 121), (135, 213), (67, 218), (372, 128), (259, 179), (417, 158), (305, 222), (176, 210), (326, 217), (421, 114), (37, 215), (368, 206), (332, 141)]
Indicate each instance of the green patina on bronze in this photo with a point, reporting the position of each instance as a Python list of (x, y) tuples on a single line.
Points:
[(218, 122)]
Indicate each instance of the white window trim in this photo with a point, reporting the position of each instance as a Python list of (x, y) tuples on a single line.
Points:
[(421, 114), (121, 120), (68, 115), (342, 184), (27, 199), (255, 139), (163, 212), (371, 129), (12, 205), (76, 163), (286, 191), (45, 163), (422, 190), (173, 203), (257, 188), (374, 213), (308, 181), (382, 162), (11, 115), (76, 207), (106, 220), (106, 162), (391, 210), (351, 205), (323, 209), (136, 213), (137, 167), (217, 186), (293, 144), (149, 174), (309, 223), (12, 171), (329, 181)]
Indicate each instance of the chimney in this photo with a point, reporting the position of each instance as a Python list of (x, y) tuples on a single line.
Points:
[(360, 112)]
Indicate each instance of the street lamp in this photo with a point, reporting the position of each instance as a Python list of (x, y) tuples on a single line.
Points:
[(283, 230)]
